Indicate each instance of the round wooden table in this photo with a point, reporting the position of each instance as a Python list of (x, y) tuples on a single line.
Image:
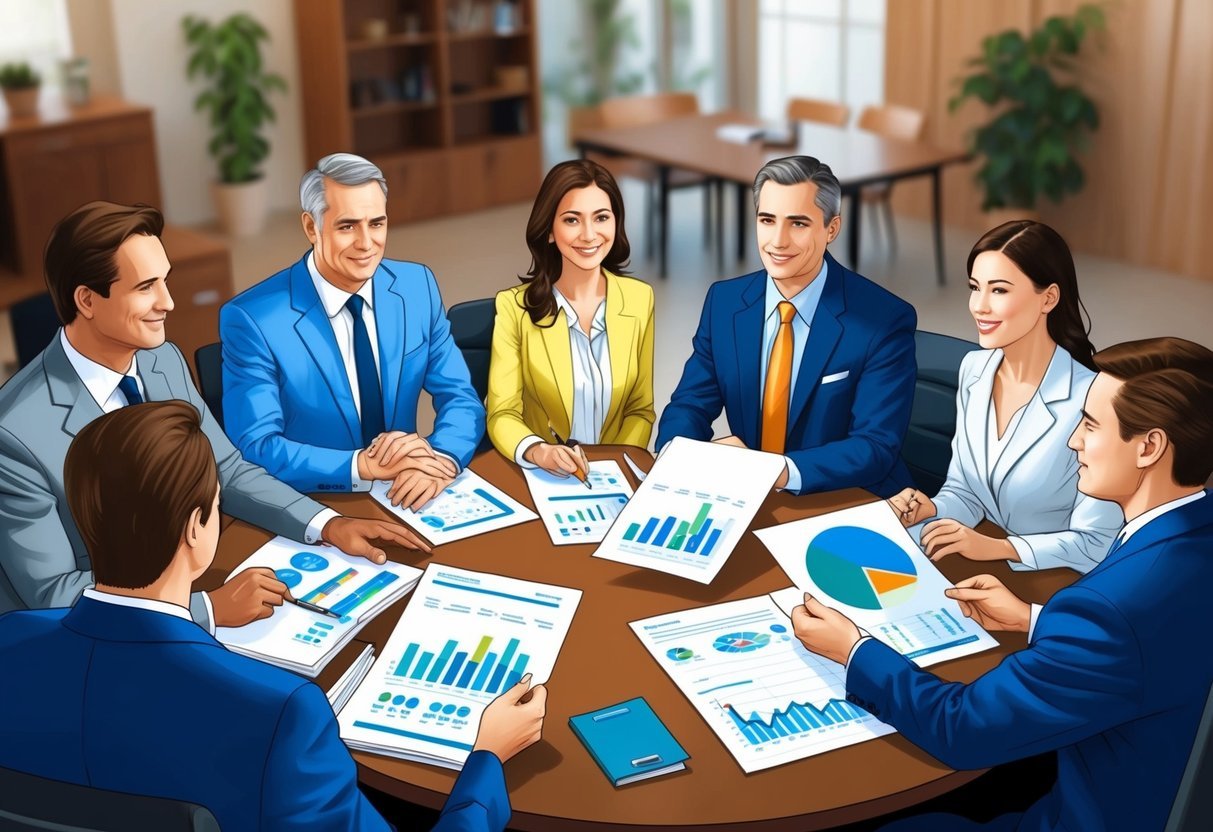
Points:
[(555, 784)]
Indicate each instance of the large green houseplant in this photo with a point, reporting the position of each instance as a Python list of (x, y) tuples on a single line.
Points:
[(228, 56), (1041, 119)]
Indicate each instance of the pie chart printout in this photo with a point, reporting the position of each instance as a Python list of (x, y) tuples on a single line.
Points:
[(861, 568)]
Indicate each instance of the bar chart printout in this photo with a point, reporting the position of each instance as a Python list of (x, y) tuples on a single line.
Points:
[(768, 699), (571, 512), (464, 638), (692, 509)]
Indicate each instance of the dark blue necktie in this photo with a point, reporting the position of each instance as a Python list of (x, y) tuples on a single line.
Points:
[(130, 389), (370, 397)]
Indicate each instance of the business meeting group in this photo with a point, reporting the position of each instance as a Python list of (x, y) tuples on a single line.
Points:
[(114, 474)]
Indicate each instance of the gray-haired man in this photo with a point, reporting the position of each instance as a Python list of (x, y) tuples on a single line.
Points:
[(808, 359), (323, 362)]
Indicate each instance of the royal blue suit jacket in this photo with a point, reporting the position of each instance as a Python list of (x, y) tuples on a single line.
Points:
[(287, 403), (142, 702), (844, 432), (1114, 680)]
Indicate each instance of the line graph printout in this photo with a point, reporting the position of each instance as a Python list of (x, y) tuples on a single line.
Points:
[(768, 699), (863, 563)]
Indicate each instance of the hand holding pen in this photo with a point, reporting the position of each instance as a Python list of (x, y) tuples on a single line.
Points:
[(560, 459), (582, 471)]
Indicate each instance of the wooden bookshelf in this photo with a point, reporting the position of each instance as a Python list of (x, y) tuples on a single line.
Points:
[(441, 94)]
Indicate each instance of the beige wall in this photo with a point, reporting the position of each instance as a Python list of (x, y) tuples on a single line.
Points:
[(1148, 198), (91, 23)]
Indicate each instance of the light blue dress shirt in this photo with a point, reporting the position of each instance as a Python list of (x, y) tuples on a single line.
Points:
[(805, 301)]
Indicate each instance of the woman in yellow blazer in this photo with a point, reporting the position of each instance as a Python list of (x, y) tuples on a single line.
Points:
[(573, 345)]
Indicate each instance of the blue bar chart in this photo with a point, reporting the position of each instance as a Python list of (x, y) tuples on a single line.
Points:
[(696, 535), (465, 667), (573, 513)]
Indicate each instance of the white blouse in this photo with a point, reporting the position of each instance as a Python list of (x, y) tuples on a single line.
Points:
[(591, 371)]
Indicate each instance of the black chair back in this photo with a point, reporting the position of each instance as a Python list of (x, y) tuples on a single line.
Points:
[(36, 804), (208, 360), (1193, 807), (927, 450), (472, 329), (34, 324)]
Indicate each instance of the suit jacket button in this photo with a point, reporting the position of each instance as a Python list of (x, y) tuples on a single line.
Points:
[(853, 699)]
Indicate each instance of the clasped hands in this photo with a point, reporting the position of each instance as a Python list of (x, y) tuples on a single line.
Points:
[(418, 474), (947, 537)]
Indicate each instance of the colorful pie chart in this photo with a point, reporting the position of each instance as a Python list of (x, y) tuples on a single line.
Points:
[(861, 568), (741, 642)]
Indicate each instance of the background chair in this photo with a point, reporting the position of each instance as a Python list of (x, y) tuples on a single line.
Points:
[(822, 112), (1193, 807), (472, 329), (36, 804), (208, 363), (927, 449), (34, 325), (894, 122)]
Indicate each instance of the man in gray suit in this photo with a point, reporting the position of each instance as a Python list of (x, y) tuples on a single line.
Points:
[(107, 273)]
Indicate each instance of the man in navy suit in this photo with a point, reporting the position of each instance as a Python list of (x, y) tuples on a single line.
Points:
[(808, 359), (124, 692), (324, 362), (1111, 678)]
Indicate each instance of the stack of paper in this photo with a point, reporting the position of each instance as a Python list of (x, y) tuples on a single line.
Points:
[(739, 133), (464, 638), (344, 687), (304, 641), (469, 506), (573, 513)]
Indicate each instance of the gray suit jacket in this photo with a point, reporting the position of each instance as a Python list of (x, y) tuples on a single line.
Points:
[(43, 562)]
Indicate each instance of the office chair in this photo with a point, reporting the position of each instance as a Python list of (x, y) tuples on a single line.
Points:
[(1193, 807), (208, 361), (37, 804), (822, 112), (927, 449), (894, 122), (34, 324), (472, 329)]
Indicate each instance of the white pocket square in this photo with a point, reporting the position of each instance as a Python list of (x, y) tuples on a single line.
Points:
[(832, 377)]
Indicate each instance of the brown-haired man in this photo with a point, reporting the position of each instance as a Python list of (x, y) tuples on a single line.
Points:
[(1111, 678), (123, 692), (107, 274)]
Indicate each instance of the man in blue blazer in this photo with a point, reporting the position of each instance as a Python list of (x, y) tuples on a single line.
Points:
[(1110, 678), (124, 692), (326, 357), (808, 359)]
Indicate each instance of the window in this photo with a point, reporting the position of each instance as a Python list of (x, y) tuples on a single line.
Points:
[(827, 49), (36, 31)]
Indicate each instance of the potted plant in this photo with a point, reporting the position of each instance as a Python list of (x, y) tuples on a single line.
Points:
[(1041, 119), (228, 56), (20, 84)]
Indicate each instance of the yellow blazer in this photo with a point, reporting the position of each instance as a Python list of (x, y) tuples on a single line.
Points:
[(531, 372)]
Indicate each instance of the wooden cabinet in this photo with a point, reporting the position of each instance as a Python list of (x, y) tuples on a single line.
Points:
[(443, 95)]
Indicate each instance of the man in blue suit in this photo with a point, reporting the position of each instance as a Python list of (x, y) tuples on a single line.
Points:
[(1110, 679), (124, 692), (808, 359), (324, 362)]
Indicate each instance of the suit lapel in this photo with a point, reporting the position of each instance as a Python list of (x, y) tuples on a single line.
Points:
[(67, 390), (555, 338), (747, 341), (155, 383), (389, 330), (976, 417), (825, 330), (316, 332), (1037, 419), (621, 335)]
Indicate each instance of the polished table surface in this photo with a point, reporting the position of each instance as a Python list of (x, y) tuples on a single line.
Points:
[(555, 784)]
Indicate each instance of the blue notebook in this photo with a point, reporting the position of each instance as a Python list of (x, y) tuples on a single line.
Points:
[(628, 742)]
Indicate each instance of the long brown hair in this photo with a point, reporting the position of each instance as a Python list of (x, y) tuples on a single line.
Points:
[(1040, 253), (546, 265)]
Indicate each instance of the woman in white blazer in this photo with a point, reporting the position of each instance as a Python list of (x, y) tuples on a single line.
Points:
[(1019, 401)]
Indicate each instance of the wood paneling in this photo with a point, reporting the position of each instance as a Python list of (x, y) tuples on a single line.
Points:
[(1147, 198)]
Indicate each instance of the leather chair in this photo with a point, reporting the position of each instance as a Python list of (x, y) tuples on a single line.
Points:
[(208, 362), (1193, 807), (472, 329), (927, 449), (34, 324)]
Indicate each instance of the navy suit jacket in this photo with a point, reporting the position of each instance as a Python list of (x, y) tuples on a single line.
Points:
[(287, 403), (1114, 680), (142, 702), (842, 433)]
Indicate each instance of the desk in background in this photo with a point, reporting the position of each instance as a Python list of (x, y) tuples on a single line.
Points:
[(555, 784)]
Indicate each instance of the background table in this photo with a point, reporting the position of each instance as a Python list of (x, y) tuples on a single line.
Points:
[(555, 784)]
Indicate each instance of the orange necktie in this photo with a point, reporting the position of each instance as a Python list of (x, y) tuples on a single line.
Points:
[(779, 383)]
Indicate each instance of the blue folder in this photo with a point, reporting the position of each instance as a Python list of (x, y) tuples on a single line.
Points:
[(629, 742)]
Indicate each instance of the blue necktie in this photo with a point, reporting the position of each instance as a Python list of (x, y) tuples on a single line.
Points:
[(130, 389), (370, 397)]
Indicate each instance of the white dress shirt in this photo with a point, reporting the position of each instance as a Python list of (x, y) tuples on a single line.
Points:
[(805, 301), (591, 356), (150, 604)]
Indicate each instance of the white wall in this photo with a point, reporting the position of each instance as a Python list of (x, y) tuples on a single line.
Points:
[(151, 58)]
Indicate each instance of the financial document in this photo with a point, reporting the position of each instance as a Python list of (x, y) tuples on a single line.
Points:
[(692, 509), (862, 562), (469, 506), (768, 699), (464, 638), (573, 513)]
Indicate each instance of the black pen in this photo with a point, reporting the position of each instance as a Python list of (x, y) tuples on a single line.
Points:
[(584, 476), (313, 607)]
